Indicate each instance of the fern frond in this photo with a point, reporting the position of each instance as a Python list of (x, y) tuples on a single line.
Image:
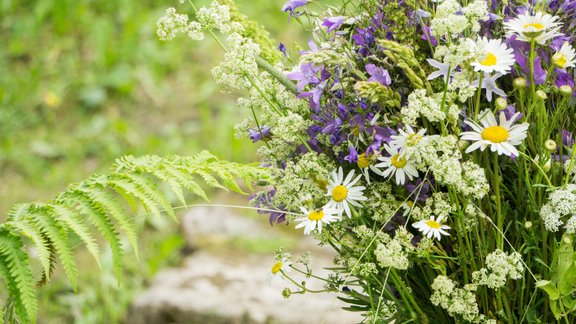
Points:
[(40, 216), (92, 208), (159, 198), (105, 201), (76, 223), (98, 217), (41, 243), (15, 270)]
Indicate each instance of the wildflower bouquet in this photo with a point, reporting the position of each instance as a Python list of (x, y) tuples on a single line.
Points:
[(429, 143)]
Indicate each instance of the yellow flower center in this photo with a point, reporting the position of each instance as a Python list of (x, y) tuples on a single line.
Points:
[(413, 139), (339, 193), (316, 215), (559, 59), (363, 161), (489, 60), (495, 134), (537, 26), (433, 224), (277, 267), (398, 162)]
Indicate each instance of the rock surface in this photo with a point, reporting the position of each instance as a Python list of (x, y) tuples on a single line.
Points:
[(232, 286)]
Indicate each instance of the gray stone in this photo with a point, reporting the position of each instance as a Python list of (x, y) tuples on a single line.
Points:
[(231, 286)]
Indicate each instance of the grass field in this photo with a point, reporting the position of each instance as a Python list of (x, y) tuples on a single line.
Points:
[(84, 82)]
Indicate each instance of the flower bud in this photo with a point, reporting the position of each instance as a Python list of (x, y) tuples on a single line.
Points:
[(566, 90), (550, 145), (519, 83), (463, 144), (501, 103), (567, 239), (547, 166), (541, 95), (286, 292), (528, 225)]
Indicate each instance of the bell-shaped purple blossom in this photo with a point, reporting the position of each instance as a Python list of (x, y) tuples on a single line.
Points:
[(352, 156), (564, 78), (304, 74), (378, 74), (291, 5), (256, 134), (333, 23), (510, 111)]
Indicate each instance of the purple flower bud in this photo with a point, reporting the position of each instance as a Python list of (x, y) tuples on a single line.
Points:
[(567, 138), (282, 49), (352, 157)]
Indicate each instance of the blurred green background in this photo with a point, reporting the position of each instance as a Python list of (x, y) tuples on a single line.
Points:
[(84, 82)]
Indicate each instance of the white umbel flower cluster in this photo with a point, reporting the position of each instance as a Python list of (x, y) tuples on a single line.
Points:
[(560, 210), (172, 24), (499, 267), (239, 63), (459, 302), (394, 253), (451, 19)]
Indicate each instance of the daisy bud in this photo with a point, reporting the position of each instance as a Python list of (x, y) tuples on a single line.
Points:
[(463, 144), (528, 225), (547, 166), (567, 239), (286, 292), (501, 103), (566, 90), (541, 95), (519, 83), (550, 145)]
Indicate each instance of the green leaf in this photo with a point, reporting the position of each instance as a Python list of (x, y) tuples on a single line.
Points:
[(15, 270), (550, 288)]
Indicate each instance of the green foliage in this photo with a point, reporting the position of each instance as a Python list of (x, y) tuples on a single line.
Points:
[(91, 207)]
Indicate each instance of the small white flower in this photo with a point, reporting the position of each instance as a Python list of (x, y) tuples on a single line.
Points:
[(279, 268), (315, 218), (396, 164), (489, 83), (441, 72), (343, 193), (432, 227), (540, 27), (407, 138), (564, 58), (501, 138), (492, 56)]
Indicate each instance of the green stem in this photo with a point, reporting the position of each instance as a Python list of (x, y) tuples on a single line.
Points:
[(478, 94), (279, 76), (499, 220)]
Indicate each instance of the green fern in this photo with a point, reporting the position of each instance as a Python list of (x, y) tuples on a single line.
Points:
[(91, 208)]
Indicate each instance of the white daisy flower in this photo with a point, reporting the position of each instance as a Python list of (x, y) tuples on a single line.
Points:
[(278, 268), (406, 139), (432, 227), (501, 138), (540, 27), (343, 193), (564, 58), (489, 83), (314, 218), (492, 56), (396, 164)]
